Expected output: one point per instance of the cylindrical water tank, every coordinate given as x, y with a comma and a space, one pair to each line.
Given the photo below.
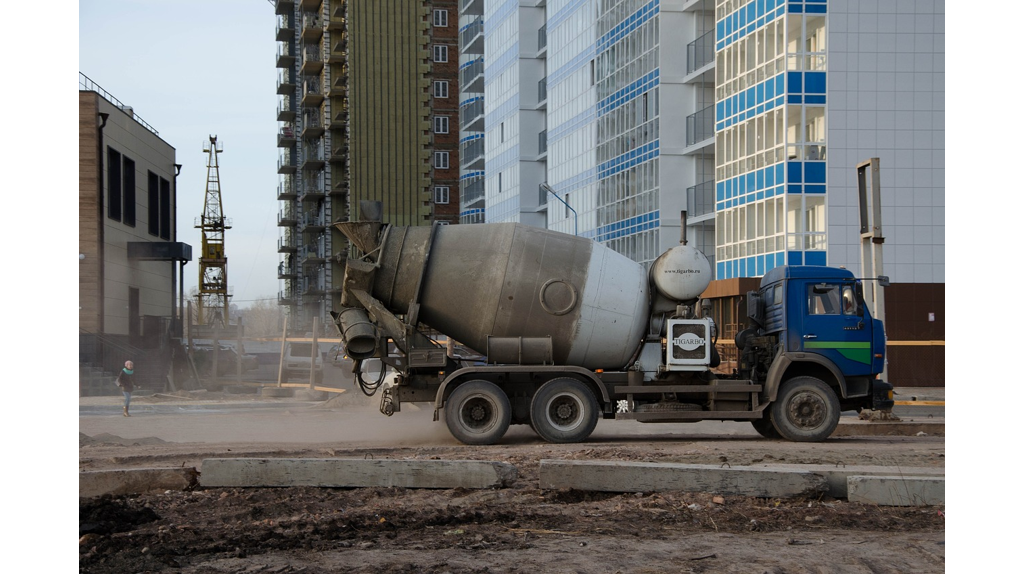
513, 280
682, 273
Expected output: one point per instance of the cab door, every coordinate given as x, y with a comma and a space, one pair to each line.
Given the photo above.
834, 326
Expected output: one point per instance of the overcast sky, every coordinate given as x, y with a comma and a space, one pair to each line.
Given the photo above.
192, 68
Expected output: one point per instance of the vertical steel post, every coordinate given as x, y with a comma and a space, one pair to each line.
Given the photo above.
869, 192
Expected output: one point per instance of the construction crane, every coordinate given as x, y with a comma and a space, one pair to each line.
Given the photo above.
213, 263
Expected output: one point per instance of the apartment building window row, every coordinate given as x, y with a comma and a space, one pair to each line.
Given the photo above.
440, 53
442, 194
441, 124
441, 160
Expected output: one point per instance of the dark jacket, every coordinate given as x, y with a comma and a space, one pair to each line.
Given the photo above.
126, 381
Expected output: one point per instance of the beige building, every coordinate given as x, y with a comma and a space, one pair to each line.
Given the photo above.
129, 260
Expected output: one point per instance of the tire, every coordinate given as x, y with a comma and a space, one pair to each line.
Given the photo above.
564, 411
478, 412
806, 410
765, 428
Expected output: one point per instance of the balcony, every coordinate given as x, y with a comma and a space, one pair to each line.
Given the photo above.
285, 271
471, 36
286, 244
339, 86
700, 199
285, 113
285, 56
339, 187
339, 119
339, 52
312, 61
312, 96
471, 76
285, 82
339, 151
309, 5
472, 192
471, 115
312, 124
287, 217
337, 21
471, 154
312, 28
286, 137
286, 163
313, 161
313, 221
542, 142
542, 93
542, 39
286, 297
471, 7
286, 189
285, 29
282, 7
700, 126
700, 52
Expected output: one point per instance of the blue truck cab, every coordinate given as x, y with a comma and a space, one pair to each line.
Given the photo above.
815, 347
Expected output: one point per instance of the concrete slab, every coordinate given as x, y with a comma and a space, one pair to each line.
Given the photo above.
618, 476
836, 475
138, 481
900, 490
355, 473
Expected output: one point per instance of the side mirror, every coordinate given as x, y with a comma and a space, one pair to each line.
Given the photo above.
883, 280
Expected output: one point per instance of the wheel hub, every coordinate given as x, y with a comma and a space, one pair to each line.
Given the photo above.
564, 412
476, 413
807, 410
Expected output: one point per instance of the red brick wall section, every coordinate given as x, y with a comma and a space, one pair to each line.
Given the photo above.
449, 72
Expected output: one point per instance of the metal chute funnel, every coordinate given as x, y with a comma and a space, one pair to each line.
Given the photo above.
365, 235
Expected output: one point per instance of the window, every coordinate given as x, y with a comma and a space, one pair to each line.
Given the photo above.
128, 183
165, 209
441, 124
441, 89
440, 53
440, 18
154, 204
441, 194
441, 160
823, 299
113, 184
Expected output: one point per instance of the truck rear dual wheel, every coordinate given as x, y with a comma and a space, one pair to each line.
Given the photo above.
564, 411
806, 410
478, 412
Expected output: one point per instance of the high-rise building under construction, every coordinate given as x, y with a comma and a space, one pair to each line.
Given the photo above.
368, 110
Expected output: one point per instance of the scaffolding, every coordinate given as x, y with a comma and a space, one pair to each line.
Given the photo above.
213, 295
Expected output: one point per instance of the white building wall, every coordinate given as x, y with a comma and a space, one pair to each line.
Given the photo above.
886, 99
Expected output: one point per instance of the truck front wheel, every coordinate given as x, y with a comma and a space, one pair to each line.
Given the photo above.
564, 411
478, 412
806, 410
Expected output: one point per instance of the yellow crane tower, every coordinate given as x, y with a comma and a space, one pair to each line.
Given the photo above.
213, 263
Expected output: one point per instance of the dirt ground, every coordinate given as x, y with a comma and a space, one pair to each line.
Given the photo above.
519, 529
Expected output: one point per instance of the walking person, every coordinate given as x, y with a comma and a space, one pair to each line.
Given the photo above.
127, 384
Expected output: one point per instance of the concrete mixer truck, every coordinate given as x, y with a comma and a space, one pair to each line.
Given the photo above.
569, 331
